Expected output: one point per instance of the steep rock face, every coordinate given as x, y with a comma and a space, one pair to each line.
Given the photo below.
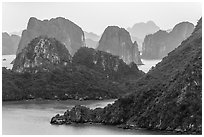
169, 97
139, 42
159, 44
105, 63
41, 54
60, 28
9, 43
117, 41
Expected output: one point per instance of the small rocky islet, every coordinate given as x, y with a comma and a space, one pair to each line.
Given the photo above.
174, 85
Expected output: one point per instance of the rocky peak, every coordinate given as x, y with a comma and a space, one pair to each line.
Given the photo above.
117, 41
60, 28
42, 54
184, 29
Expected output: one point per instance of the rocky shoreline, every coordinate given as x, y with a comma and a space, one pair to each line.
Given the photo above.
84, 115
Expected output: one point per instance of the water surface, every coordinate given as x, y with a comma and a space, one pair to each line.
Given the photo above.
33, 118
6, 61
148, 64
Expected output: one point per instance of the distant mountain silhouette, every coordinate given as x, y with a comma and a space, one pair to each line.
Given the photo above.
60, 28
91, 35
91, 39
140, 30
9, 43
159, 44
117, 41
91, 43
16, 33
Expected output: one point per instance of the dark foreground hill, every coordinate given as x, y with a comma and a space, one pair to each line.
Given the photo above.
169, 97
45, 69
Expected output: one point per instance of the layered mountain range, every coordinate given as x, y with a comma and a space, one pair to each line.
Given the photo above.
168, 97
159, 44
140, 30
117, 41
9, 43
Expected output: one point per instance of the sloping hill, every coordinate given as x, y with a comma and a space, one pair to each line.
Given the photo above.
169, 97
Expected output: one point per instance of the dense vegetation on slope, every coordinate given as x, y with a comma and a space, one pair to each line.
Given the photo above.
42, 54
45, 69
103, 62
169, 97
62, 83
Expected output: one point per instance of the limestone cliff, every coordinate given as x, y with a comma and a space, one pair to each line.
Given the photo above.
117, 41
159, 44
60, 28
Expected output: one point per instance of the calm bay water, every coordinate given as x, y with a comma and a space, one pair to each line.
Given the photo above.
6, 61
33, 117
148, 64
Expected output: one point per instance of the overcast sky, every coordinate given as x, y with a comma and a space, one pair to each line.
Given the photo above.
95, 17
